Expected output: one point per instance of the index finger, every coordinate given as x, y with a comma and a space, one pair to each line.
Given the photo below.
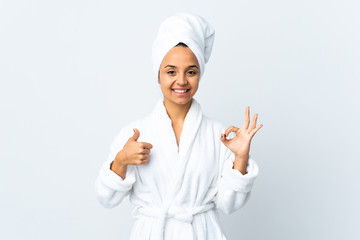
147, 145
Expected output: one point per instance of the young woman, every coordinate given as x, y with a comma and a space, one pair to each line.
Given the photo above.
178, 165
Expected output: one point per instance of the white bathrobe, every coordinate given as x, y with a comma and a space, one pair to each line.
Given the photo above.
178, 193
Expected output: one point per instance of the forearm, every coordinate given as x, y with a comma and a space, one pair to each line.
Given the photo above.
228, 200
111, 188
240, 163
118, 169
234, 186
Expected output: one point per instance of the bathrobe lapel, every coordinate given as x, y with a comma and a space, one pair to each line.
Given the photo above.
189, 131
177, 158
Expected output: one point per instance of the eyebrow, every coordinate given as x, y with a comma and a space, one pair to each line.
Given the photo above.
172, 66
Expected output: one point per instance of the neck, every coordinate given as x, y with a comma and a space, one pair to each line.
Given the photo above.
177, 112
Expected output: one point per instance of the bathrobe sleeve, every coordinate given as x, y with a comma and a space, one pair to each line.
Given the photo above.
111, 188
234, 187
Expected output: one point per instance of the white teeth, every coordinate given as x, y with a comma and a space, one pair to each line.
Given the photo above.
180, 91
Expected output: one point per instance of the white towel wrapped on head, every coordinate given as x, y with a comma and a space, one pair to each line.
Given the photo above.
188, 28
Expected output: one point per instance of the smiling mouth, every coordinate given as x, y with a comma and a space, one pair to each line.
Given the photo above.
180, 91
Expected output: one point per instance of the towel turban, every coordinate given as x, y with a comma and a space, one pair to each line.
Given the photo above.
190, 29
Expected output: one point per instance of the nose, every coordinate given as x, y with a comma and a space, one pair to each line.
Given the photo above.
182, 80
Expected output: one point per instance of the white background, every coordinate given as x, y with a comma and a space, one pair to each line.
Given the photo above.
74, 72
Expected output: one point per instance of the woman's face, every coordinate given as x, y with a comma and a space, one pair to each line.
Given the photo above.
179, 75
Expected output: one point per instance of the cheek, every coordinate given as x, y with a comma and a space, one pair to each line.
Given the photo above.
165, 81
195, 85
164, 84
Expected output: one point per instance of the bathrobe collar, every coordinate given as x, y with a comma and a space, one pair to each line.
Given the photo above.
176, 160
190, 127
189, 131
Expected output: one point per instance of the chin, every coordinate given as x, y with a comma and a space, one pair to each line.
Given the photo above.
182, 101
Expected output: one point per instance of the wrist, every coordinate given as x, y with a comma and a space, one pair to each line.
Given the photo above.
240, 163
241, 158
120, 160
116, 165
119, 169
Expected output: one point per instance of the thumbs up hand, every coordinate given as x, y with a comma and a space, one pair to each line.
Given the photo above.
134, 152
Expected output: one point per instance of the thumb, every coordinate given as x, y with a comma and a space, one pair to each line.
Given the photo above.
136, 134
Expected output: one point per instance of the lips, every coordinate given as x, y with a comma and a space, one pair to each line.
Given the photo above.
180, 90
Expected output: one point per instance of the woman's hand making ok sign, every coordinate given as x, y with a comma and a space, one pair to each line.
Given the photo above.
240, 144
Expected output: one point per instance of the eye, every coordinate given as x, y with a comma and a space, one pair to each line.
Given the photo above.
171, 72
191, 72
